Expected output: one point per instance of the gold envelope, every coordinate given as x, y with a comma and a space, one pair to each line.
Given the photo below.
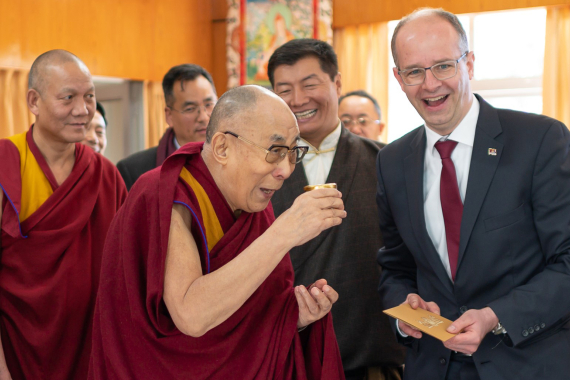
425, 321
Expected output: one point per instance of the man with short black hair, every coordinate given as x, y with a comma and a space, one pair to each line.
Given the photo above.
360, 113
305, 74
190, 97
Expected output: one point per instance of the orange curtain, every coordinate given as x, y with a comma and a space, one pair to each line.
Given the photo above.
155, 123
556, 77
14, 114
363, 62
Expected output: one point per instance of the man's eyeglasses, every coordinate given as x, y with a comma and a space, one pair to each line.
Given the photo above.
361, 122
276, 153
441, 71
194, 109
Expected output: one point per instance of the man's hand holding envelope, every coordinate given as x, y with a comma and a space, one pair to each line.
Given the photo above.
462, 335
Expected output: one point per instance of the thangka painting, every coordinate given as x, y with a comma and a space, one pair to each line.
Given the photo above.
257, 27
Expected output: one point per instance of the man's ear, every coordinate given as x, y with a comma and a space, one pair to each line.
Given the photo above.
338, 84
220, 148
32, 98
381, 126
470, 62
168, 116
398, 77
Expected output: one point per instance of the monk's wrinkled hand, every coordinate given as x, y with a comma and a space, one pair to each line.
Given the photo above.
311, 213
416, 301
315, 302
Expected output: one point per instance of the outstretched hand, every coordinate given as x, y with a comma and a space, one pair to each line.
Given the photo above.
315, 302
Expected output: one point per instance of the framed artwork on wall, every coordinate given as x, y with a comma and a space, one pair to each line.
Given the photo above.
256, 28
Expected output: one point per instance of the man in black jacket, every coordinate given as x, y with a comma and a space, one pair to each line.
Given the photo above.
305, 74
190, 97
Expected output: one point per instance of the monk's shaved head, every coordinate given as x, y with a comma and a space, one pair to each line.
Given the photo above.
38, 75
236, 105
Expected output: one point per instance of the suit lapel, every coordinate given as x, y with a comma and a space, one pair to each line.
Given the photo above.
481, 171
414, 174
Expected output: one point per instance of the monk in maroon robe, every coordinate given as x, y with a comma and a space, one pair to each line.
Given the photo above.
196, 280
57, 199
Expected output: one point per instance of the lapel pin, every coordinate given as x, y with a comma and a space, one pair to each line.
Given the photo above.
492, 152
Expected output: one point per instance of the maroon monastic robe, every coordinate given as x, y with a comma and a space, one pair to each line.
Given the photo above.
165, 146
50, 263
134, 336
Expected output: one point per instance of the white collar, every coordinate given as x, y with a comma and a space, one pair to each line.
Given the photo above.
176, 144
464, 133
329, 143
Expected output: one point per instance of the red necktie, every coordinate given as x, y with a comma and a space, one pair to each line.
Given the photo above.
451, 204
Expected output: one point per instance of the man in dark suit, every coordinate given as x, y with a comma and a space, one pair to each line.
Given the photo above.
475, 212
305, 74
190, 97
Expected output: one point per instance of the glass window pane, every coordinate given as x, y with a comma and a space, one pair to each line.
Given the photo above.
509, 44
402, 116
465, 21
532, 103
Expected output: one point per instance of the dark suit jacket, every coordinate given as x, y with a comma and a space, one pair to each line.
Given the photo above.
135, 165
345, 255
513, 251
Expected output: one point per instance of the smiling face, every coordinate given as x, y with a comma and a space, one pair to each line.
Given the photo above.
311, 95
189, 114
421, 43
65, 103
96, 136
249, 181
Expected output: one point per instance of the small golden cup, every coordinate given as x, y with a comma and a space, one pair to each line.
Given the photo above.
323, 186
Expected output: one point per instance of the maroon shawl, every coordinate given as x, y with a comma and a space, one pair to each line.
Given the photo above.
49, 265
134, 336
165, 146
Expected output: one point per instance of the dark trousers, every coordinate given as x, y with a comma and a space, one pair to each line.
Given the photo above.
461, 367
355, 374
374, 373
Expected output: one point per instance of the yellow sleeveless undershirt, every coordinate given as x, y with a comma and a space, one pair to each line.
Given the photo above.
36, 188
214, 231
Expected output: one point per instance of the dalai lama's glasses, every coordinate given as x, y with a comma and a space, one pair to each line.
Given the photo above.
276, 153
441, 71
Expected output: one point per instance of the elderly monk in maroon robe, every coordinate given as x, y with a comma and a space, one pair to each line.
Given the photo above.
57, 201
197, 282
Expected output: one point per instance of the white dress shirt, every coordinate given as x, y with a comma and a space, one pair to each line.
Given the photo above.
176, 143
317, 163
464, 134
